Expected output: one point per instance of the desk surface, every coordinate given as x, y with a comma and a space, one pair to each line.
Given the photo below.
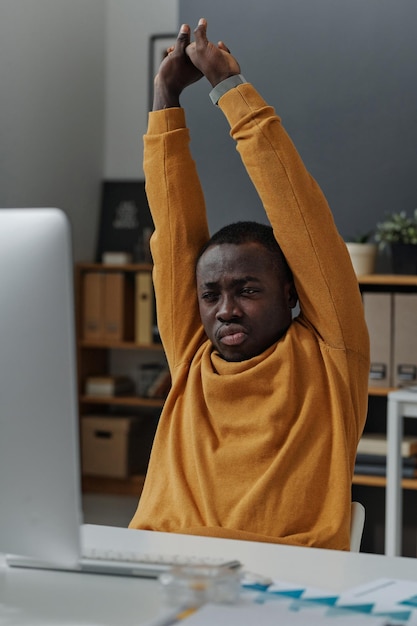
42, 597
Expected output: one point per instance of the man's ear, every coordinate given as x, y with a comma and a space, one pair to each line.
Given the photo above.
292, 295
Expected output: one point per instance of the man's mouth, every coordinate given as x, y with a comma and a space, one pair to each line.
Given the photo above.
232, 335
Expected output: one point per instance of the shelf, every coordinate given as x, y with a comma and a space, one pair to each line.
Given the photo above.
131, 486
123, 401
97, 356
381, 481
129, 267
388, 280
119, 345
381, 391
383, 298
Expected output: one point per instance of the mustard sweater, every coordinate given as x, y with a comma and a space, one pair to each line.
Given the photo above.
262, 449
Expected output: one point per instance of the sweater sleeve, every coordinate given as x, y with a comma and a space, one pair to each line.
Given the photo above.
303, 224
178, 210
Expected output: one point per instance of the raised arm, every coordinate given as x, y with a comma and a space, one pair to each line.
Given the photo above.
177, 205
295, 205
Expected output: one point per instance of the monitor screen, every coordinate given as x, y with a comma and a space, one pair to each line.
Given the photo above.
39, 447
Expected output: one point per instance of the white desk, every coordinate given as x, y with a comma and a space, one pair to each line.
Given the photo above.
401, 404
50, 598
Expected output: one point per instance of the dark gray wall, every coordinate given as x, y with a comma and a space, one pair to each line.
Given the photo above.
343, 78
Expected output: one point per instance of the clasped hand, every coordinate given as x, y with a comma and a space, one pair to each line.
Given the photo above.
186, 62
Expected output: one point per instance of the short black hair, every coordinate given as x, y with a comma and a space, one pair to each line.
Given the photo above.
249, 232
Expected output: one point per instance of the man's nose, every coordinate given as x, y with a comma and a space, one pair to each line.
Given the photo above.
228, 309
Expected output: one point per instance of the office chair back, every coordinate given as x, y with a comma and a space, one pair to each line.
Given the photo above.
357, 521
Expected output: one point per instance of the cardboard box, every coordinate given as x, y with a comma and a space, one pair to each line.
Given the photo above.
108, 386
116, 447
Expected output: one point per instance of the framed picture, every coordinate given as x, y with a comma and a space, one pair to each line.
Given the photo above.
158, 45
125, 220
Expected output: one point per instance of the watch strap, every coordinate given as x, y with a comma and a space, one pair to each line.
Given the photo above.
226, 85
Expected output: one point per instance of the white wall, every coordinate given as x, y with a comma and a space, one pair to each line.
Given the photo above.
73, 101
342, 77
129, 27
51, 114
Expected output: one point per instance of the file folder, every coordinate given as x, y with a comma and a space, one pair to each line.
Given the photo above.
93, 297
144, 308
118, 307
405, 339
378, 315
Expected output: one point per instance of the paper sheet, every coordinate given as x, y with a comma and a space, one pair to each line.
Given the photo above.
382, 602
276, 613
393, 598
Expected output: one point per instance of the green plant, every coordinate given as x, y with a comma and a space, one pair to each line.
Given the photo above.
397, 228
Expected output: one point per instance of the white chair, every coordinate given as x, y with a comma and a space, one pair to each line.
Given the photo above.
357, 521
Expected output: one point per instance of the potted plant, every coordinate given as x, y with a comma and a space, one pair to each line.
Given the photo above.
399, 231
362, 253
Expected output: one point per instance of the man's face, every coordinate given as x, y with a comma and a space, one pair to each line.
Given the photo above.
245, 299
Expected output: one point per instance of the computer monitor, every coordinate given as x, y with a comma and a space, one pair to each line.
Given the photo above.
38, 399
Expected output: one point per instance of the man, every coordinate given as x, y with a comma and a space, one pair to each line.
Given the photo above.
257, 438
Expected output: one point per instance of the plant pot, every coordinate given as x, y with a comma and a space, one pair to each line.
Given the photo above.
363, 257
404, 258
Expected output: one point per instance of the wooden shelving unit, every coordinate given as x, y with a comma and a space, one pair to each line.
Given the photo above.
385, 283
93, 359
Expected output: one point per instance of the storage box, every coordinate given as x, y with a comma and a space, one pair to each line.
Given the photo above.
115, 446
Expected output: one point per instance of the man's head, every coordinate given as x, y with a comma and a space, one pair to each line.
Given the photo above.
245, 290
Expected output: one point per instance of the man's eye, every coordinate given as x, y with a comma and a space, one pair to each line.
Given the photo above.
209, 296
249, 291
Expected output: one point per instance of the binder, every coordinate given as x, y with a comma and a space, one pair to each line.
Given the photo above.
376, 444
378, 309
93, 296
144, 307
405, 339
116, 303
